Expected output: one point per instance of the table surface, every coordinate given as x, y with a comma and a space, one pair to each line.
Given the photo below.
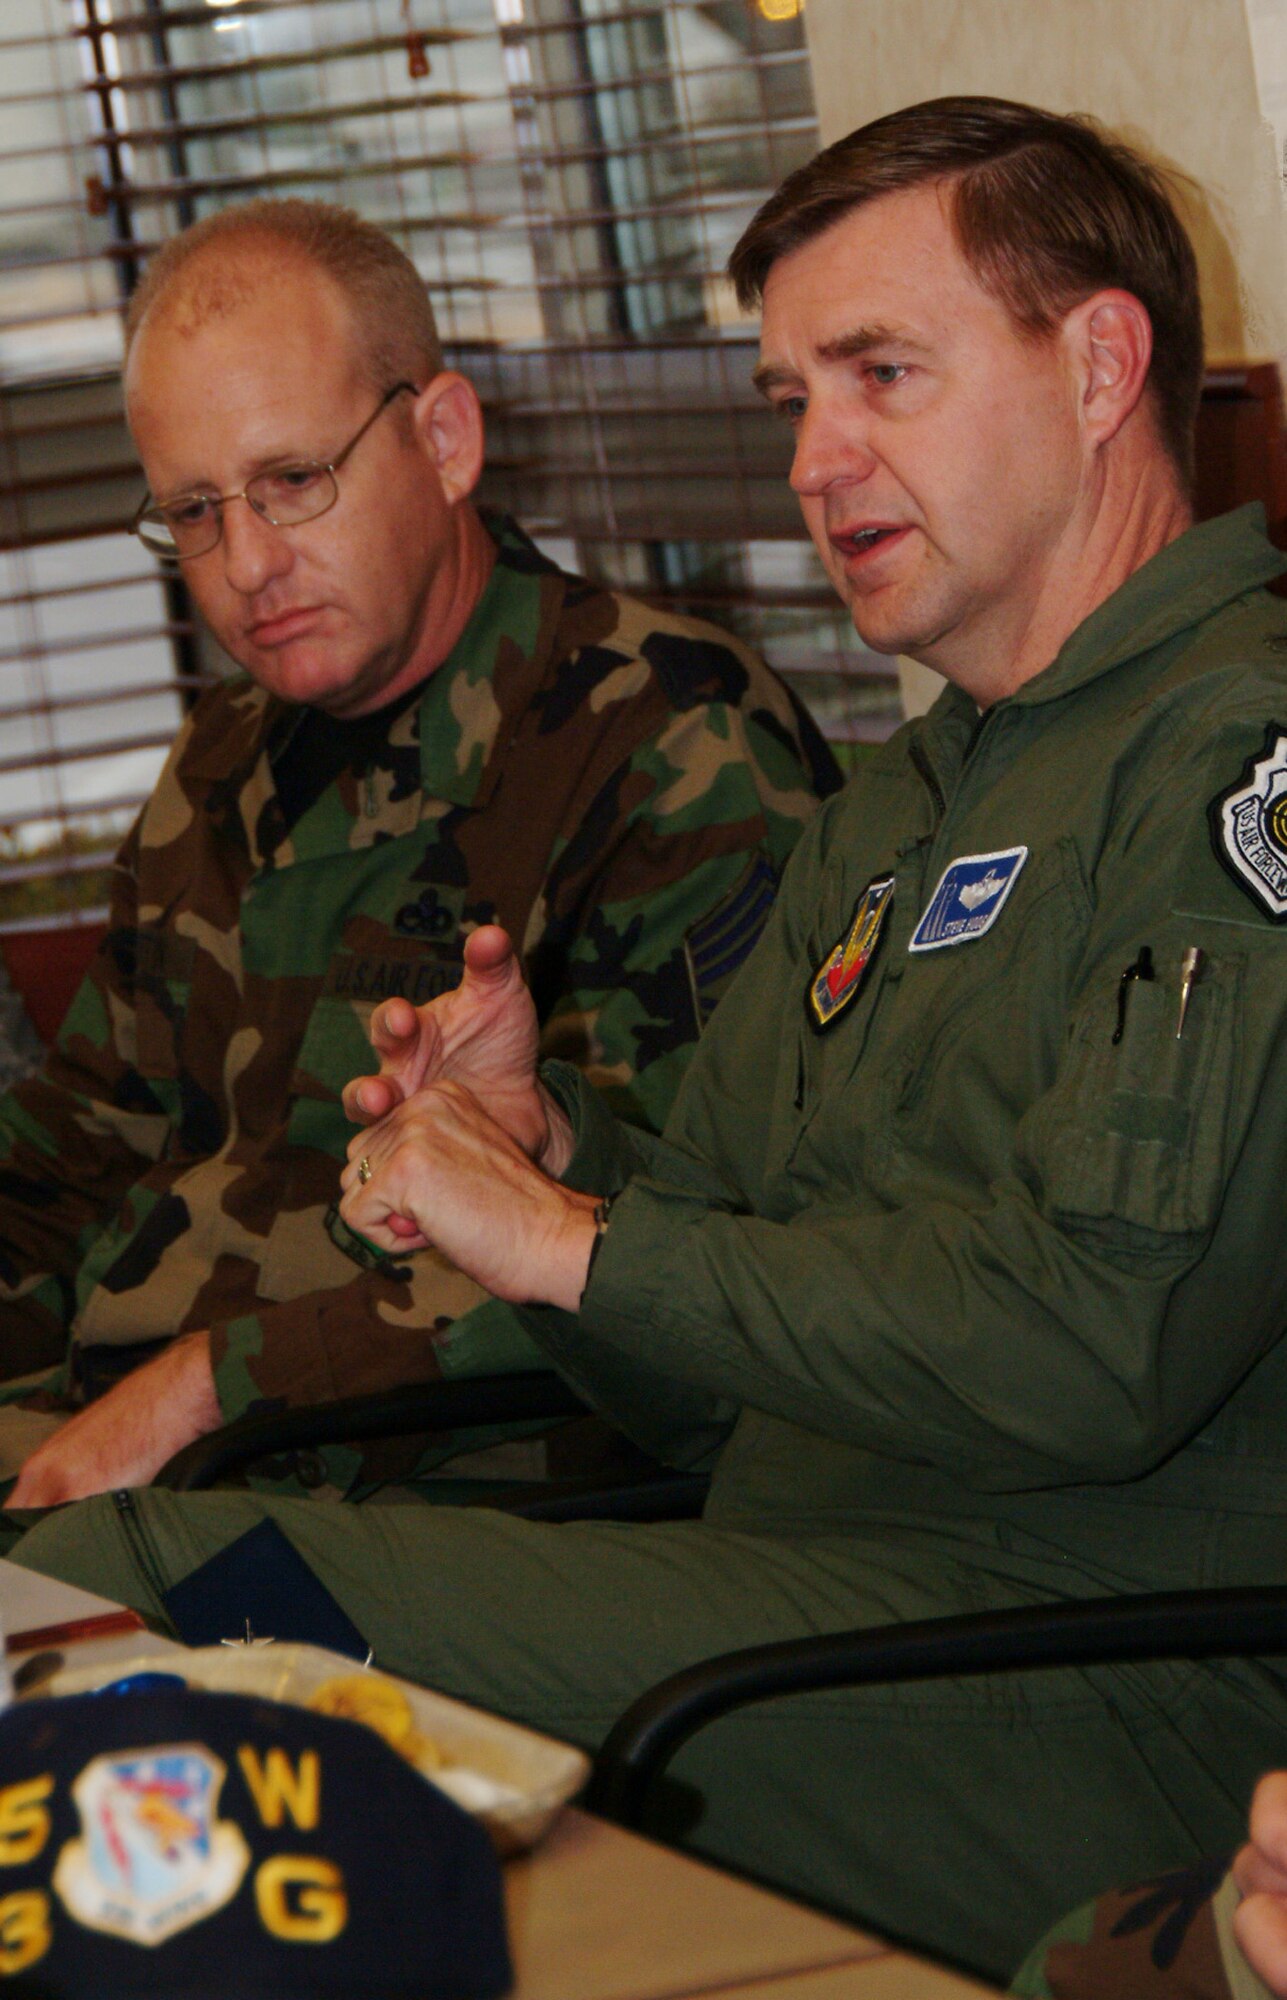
596, 1913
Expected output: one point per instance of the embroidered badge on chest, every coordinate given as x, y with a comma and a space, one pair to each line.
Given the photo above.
1249, 826
838, 979
970, 896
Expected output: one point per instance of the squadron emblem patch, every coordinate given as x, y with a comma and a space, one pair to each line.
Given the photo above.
153, 1857
970, 896
1249, 826
838, 979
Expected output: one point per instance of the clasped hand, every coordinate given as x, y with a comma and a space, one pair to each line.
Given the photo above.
463, 1146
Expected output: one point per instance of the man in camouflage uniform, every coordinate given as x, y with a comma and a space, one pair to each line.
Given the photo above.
1213, 1931
1168, 1938
440, 730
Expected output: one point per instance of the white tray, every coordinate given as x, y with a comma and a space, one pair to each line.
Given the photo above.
511, 1778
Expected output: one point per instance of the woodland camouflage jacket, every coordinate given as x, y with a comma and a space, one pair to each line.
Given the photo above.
617, 786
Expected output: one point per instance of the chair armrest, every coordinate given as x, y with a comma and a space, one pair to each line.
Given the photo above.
533, 1395
1173, 1625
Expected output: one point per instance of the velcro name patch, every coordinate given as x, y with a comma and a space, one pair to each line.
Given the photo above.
971, 894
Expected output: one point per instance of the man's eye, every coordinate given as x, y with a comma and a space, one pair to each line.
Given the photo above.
885, 373
791, 409
188, 513
291, 480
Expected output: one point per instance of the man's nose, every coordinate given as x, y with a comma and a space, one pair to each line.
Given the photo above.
831, 444
253, 550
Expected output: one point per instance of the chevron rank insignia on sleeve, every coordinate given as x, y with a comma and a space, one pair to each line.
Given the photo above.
719, 943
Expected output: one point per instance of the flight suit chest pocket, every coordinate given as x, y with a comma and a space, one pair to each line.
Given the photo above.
163, 972
1136, 1129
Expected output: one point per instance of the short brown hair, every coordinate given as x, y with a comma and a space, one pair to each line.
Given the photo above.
1046, 211
395, 322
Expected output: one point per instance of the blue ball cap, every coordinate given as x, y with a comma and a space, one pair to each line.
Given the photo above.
180, 1843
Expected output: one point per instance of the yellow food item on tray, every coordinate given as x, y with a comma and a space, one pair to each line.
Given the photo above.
369, 1698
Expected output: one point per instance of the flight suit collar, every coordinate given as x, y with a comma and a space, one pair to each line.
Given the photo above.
1208, 566
1193, 576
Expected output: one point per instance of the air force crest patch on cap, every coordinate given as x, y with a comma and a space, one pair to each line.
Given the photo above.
170, 1841
970, 896
153, 1856
1249, 826
839, 977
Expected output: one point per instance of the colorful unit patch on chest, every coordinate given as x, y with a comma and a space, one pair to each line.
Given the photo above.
970, 896
838, 978
1249, 826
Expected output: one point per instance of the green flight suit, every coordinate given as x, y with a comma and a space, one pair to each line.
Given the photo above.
969, 1301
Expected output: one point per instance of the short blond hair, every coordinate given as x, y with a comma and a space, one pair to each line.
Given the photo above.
397, 336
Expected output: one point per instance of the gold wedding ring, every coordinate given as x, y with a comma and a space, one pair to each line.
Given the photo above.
364, 1169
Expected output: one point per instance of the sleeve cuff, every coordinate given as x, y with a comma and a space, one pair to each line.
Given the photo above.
604, 1157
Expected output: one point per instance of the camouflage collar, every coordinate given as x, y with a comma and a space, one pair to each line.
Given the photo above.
474, 699
465, 719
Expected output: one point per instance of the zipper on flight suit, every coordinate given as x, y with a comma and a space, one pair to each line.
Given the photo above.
142, 1547
872, 1006
927, 772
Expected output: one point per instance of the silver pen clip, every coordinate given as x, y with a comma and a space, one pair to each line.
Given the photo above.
1190, 970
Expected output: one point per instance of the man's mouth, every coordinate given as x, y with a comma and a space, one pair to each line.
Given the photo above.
283, 626
856, 542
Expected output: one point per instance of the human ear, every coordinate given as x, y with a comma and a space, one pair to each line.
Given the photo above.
1111, 336
448, 418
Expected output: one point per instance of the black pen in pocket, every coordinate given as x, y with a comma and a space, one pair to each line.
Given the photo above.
1141, 969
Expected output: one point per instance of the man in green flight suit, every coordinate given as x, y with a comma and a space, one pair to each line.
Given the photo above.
961, 1260
437, 729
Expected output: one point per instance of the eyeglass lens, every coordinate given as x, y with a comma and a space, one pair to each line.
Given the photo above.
284, 496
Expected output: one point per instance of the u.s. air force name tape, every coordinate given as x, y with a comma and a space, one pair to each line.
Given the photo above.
184, 1842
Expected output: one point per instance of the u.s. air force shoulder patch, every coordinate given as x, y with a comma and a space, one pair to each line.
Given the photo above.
839, 978
1249, 826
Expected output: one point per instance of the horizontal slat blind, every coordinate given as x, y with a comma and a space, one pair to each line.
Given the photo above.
568, 175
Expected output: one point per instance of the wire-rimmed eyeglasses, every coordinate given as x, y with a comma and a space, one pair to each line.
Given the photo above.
283, 495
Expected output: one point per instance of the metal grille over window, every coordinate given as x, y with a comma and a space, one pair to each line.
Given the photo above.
568, 175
